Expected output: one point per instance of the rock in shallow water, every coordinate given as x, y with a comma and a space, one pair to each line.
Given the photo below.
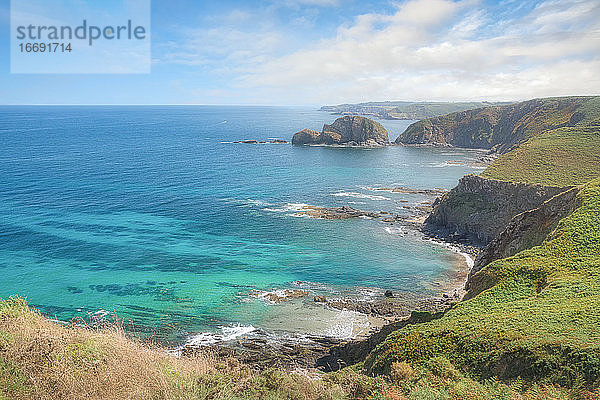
343, 212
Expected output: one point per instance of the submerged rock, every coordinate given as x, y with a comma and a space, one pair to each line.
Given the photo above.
347, 131
278, 296
254, 141
343, 212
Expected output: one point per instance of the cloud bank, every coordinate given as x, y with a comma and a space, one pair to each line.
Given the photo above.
423, 50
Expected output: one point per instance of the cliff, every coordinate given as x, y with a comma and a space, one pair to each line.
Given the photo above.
478, 209
347, 131
526, 230
532, 317
501, 127
531, 310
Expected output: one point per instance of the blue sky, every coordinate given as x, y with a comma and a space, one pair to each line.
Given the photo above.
313, 52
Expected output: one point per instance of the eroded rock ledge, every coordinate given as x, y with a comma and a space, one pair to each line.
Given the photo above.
501, 218
479, 209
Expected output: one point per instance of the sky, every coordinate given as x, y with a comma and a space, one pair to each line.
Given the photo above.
316, 52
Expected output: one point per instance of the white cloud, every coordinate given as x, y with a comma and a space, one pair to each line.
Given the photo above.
442, 50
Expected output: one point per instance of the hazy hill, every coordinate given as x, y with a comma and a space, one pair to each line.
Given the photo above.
404, 109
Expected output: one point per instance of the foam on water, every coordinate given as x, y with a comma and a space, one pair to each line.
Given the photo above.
359, 195
468, 258
395, 230
227, 334
345, 325
288, 207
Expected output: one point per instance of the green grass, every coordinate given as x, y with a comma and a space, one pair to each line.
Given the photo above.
13, 381
536, 316
561, 157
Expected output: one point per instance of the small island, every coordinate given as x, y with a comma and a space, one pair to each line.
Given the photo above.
351, 131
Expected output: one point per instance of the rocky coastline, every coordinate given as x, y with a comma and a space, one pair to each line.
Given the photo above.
262, 350
386, 312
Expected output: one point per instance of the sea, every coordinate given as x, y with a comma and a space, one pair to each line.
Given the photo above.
152, 216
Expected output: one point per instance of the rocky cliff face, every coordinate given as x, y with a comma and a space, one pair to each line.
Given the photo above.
350, 131
499, 127
528, 229
479, 209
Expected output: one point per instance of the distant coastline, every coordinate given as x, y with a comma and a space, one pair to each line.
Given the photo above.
405, 110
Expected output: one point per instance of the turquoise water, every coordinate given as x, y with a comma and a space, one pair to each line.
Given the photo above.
150, 213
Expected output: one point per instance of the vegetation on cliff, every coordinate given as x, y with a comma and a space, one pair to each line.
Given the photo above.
502, 127
532, 317
40, 359
560, 157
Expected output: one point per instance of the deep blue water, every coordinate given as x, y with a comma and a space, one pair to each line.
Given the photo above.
149, 213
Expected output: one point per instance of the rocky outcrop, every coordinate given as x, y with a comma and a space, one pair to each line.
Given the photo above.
498, 127
479, 209
346, 131
278, 296
306, 136
526, 230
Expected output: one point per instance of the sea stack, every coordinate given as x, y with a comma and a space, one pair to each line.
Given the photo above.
352, 130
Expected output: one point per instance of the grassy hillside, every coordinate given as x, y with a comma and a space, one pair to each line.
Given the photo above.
561, 157
40, 359
534, 318
501, 127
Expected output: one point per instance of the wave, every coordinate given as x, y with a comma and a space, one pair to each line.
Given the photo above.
442, 165
395, 230
287, 207
227, 333
247, 202
468, 259
359, 195
344, 325
381, 188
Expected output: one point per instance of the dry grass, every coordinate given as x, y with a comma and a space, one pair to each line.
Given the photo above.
55, 362
401, 371
41, 359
